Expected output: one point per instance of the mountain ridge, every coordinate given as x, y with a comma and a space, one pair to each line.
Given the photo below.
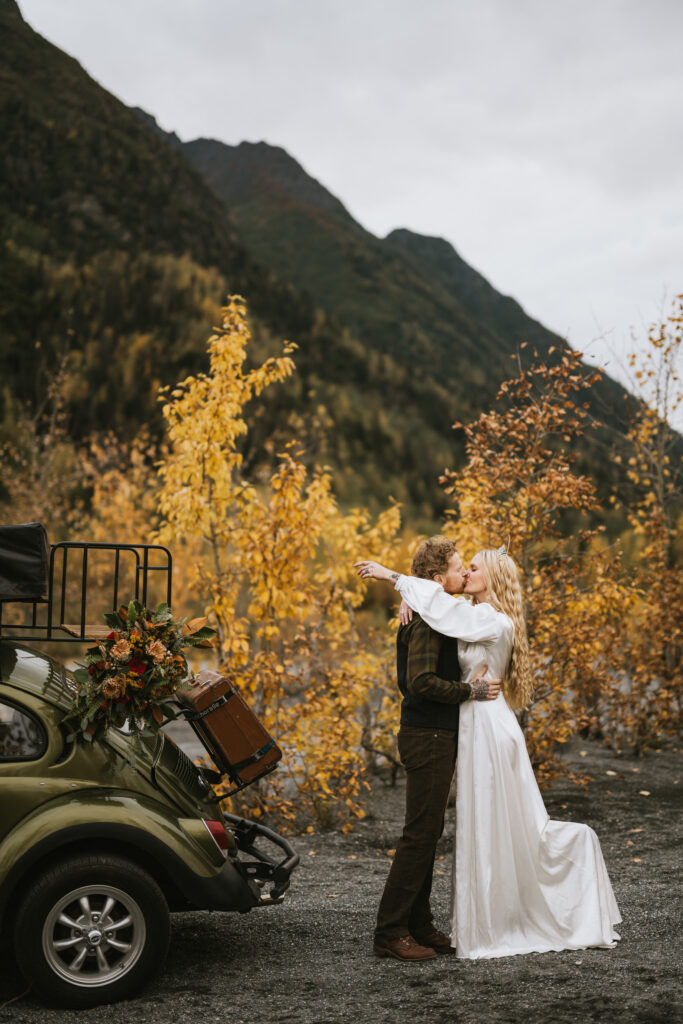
119, 252
409, 295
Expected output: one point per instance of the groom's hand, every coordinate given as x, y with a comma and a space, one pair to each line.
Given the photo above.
484, 689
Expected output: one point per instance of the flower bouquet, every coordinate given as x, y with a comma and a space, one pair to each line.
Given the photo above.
129, 676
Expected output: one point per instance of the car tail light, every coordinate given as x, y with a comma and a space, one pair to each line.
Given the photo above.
218, 834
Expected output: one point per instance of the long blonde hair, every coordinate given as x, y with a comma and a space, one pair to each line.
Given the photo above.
505, 595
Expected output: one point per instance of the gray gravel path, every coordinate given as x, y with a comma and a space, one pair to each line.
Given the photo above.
309, 961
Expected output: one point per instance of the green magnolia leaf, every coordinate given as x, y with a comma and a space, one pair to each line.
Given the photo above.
81, 675
112, 619
87, 737
85, 722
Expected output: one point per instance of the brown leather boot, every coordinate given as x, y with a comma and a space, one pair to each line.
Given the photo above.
405, 948
437, 941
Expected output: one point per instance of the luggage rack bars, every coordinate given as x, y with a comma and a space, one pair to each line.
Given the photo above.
54, 628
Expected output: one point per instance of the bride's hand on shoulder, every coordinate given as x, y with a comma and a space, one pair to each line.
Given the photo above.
375, 571
405, 614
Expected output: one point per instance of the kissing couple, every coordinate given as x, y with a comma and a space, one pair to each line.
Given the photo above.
522, 883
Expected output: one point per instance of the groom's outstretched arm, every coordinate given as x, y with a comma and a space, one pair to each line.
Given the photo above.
424, 646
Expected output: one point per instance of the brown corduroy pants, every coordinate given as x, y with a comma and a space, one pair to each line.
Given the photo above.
428, 756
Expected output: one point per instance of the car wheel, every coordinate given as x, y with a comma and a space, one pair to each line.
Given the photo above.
91, 929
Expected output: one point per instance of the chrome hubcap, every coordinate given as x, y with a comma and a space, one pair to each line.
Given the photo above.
94, 935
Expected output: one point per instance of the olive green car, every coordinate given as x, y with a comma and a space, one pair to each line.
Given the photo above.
98, 842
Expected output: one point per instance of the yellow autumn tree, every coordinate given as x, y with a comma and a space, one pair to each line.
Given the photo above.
276, 575
518, 487
645, 706
42, 476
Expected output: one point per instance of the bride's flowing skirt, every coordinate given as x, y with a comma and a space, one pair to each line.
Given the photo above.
523, 883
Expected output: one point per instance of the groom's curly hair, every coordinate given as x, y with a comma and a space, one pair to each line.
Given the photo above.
432, 557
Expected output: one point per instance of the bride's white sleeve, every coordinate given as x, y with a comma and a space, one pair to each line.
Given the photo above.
452, 616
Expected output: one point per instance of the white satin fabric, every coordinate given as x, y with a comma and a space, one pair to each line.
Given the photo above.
522, 883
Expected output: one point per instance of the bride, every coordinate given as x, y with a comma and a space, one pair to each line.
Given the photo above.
523, 883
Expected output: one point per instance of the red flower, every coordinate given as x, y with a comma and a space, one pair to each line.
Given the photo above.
92, 670
112, 636
99, 665
137, 665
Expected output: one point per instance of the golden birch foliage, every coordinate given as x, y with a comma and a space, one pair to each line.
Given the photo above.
514, 489
272, 559
318, 688
277, 576
646, 705
42, 476
205, 421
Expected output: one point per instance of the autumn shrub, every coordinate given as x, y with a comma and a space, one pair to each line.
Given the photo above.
276, 576
269, 557
643, 706
517, 486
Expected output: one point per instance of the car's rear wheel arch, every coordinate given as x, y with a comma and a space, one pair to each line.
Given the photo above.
118, 846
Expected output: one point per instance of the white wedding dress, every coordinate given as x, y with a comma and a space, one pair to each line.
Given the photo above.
522, 883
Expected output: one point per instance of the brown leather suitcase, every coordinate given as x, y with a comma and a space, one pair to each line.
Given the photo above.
238, 743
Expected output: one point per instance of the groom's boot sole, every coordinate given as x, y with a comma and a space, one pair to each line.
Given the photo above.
381, 951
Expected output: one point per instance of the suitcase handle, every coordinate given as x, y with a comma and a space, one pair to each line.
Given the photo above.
194, 716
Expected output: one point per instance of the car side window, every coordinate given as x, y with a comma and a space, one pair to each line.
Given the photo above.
22, 738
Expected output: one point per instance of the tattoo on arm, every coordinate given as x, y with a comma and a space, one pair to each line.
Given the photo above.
394, 576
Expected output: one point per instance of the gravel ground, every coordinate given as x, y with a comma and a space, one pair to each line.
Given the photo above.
310, 961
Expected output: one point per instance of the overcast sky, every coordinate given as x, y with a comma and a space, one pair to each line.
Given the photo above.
543, 139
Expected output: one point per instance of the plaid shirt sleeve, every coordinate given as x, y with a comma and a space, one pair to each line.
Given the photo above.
424, 645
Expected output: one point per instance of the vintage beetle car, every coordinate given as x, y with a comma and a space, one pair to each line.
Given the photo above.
98, 842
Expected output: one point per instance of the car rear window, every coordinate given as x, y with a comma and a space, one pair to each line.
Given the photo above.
22, 737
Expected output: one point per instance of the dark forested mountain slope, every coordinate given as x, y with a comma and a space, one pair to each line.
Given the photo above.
116, 257
120, 243
408, 295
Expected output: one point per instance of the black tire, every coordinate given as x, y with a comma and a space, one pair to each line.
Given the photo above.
60, 921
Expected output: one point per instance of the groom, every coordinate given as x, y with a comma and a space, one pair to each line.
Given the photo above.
429, 680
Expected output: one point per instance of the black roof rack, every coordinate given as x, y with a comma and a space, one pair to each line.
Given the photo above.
66, 580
